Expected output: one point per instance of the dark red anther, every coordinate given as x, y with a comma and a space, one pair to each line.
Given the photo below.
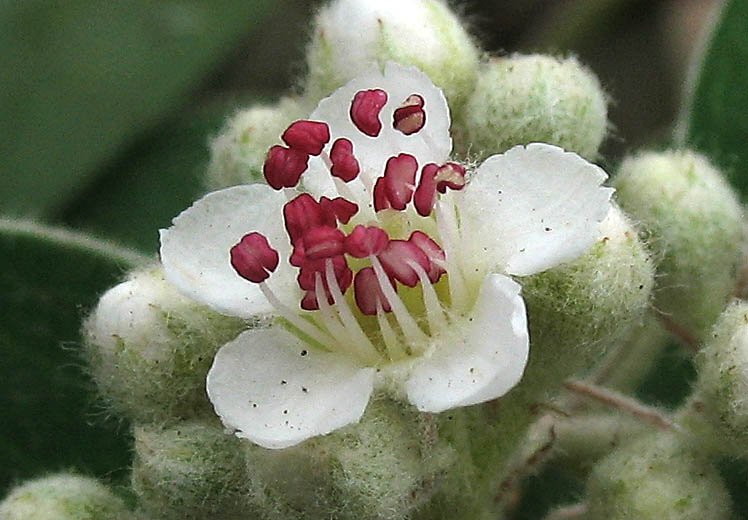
400, 179
452, 176
309, 137
397, 257
309, 301
365, 109
344, 164
337, 210
381, 201
253, 259
323, 242
434, 253
308, 281
302, 214
365, 241
425, 195
284, 166
410, 117
368, 292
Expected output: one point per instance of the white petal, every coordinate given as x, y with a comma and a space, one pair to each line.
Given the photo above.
478, 360
532, 208
277, 391
431, 144
195, 251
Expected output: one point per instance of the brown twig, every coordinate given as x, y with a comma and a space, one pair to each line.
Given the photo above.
685, 336
626, 404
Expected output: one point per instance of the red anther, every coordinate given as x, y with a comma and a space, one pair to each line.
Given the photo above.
434, 253
425, 195
344, 164
343, 273
395, 259
323, 242
337, 210
309, 137
368, 292
452, 176
365, 109
410, 117
400, 179
309, 301
365, 241
253, 259
380, 196
284, 166
302, 214
298, 256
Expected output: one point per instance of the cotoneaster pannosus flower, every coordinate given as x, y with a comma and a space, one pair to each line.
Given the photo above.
378, 263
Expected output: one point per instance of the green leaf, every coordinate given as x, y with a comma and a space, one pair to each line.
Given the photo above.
717, 114
159, 178
80, 79
48, 280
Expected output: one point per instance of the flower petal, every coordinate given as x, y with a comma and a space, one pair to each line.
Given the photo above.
480, 360
432, 143
277, 391
195, 251
531, 208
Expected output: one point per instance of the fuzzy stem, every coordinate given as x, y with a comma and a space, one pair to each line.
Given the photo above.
686, 337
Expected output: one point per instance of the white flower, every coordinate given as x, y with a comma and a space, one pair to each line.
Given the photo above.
433, 317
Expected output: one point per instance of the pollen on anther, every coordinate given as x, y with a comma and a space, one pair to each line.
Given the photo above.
410, 117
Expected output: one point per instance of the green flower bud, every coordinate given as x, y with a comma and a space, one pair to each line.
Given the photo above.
524, 99
387, 466
149, 348
723, 378
350, 35
693, 222
656, 477
193, 470
577, 310
238, 153
63, 497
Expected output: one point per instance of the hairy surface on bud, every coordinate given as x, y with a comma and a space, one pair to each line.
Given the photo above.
238, 153
693, 222
579, 309
193, 470
656, 477
149, 348
524, 99
351, 35
63, 497
723, 378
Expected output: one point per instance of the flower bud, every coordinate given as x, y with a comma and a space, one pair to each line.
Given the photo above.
191, 471
723, 378
63, 497
350, 35
656, 477
149, 348
693, 223
535, 98
238, 153
577, 310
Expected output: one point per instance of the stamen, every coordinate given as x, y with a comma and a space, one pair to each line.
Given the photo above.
294, 319
323, 242
412, 332
392, 343
410, 117
283, 167
340, 209
346, 315
253, 259
425, 195
381, 201
329, 320
400, 179
365, 241
368, 294
302, 214
434, 311
344, 164
446, 221
395, 261
434, 253
365, 109
309, 137
452, 176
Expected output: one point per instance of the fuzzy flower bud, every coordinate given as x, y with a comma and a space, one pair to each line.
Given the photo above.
191, 471
656, 477
723, 378
351, 35
238, 153
580, 308
149, 348
693, 222
63, 497
535, 98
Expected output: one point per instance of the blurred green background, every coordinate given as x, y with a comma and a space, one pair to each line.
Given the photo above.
106, 111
